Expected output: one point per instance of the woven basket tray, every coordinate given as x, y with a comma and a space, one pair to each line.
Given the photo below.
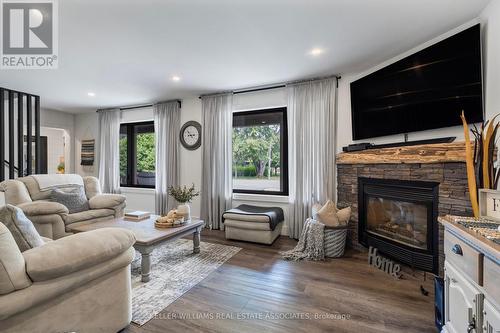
169, 225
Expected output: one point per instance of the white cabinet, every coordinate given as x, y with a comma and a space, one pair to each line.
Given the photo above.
491, 318
461, 302
472, 282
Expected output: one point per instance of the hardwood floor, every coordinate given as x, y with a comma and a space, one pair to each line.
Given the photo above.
256, 291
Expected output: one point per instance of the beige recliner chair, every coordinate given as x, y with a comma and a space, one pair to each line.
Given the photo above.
51, 218
79, 283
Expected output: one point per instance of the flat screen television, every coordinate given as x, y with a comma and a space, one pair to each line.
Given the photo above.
426, 90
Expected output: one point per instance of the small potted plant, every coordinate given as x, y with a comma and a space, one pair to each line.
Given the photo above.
60, 167
183, 195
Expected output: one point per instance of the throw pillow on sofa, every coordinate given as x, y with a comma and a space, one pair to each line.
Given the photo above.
21, 228
75, 200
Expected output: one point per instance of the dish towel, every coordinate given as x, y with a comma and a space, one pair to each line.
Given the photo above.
311, 243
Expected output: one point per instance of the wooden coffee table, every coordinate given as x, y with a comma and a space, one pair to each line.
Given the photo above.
148, 237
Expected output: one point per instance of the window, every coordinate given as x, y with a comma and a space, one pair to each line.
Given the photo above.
260, 152
137, 155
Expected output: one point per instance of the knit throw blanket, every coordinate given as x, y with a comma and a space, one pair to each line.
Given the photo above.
311, 243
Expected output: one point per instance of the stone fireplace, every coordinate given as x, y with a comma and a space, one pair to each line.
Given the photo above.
441, 166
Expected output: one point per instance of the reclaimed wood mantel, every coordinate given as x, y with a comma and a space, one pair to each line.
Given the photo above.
430, 153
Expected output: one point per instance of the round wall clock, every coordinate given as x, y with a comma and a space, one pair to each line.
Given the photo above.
191, 135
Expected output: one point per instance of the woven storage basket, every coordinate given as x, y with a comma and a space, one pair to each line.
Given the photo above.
335, 239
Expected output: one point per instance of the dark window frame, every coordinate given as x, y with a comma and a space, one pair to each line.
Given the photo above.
131, 152
283, 151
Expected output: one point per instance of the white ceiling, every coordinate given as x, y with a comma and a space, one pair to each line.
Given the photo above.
126, 51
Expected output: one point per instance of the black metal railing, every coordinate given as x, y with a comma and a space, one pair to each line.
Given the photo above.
28, 108
7, 163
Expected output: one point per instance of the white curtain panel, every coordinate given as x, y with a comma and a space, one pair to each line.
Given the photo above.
109, 161
311, 133
167, 118
216, 189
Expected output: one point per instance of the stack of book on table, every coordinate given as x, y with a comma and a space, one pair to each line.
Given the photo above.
137, 216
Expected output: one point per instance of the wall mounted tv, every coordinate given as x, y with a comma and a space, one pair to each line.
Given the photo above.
426, 90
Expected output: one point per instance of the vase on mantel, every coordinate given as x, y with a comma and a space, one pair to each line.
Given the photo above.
184, 210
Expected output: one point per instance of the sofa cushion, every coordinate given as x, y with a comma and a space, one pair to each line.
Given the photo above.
44, 194
15, 192
88, 215
106, 201
75, 200
76, 252
60, 180
42, 207
12, 267
92, 186
21, 228
48, 293
33, 189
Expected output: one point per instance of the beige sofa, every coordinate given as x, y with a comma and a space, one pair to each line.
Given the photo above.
79, 283
51, 218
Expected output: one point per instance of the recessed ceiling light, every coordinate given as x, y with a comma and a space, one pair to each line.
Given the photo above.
91, 94
176, 78
316, 51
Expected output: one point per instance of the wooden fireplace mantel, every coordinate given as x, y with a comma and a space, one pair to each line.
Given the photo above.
430, 153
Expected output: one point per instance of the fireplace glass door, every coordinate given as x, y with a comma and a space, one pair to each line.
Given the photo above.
400, 221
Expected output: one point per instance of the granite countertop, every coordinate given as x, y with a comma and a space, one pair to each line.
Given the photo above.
479, 233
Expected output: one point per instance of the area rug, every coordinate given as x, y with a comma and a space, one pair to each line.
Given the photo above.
174, 270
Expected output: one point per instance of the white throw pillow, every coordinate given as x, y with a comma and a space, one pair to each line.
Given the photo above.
21, 228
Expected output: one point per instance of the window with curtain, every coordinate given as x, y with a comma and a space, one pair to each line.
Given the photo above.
137, 155
260, 152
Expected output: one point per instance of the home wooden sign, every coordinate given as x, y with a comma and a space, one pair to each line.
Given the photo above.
489, 204
382, 263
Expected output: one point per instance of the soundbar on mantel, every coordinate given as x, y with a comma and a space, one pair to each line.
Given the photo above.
366, 145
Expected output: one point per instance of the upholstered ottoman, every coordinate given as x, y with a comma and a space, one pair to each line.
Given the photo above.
253, 224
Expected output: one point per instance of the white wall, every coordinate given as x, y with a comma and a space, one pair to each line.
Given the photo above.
190, 160
490, 18
55, 147
61, 120
86, 128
